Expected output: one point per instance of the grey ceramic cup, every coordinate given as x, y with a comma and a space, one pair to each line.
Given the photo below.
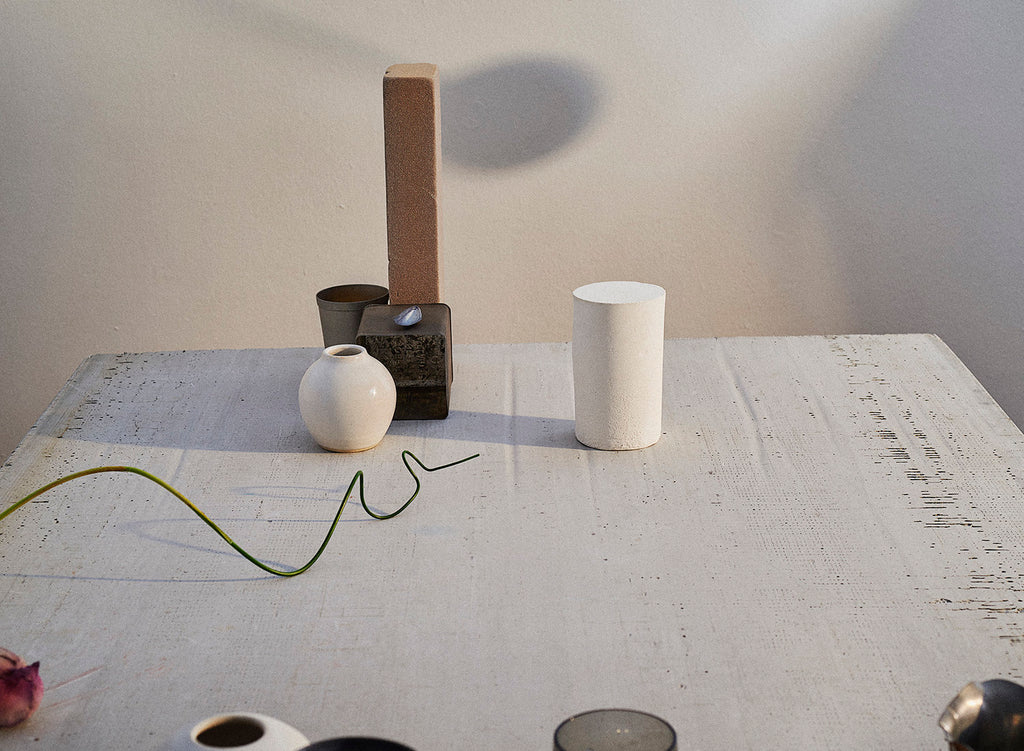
341, 309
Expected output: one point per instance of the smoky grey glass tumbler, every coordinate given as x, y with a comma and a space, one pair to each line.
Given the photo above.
615, 730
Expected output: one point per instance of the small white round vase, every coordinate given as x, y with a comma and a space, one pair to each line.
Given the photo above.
347, 399
242, 731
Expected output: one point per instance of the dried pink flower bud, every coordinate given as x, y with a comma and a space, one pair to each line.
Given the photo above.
21, 689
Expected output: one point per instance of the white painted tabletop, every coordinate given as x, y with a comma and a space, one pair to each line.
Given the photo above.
824, 546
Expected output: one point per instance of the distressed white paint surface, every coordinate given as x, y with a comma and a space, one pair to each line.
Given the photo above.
822, 548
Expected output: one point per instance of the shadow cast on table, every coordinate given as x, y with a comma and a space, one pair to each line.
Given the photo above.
135, 579
303, 493
493, 427
280, 432
143, 530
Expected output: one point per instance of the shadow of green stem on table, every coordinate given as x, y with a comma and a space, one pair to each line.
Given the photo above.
357, 478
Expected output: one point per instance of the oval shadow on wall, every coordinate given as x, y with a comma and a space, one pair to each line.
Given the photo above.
515, 112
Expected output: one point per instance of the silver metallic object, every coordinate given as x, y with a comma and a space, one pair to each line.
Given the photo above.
410, 316
985, 717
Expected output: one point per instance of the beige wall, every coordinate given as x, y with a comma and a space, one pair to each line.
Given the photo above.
180, 174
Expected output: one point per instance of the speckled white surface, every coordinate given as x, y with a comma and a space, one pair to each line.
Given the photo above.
819, 552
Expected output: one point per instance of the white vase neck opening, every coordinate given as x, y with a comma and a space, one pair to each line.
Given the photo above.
345, 350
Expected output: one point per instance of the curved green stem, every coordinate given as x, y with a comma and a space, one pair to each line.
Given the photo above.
358, 477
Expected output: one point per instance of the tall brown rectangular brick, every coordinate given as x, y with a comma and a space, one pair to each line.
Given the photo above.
412, 158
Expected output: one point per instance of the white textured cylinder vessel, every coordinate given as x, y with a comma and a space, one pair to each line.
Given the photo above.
618, 344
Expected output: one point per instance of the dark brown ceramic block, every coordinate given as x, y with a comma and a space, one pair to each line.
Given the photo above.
418, 357
412, 159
